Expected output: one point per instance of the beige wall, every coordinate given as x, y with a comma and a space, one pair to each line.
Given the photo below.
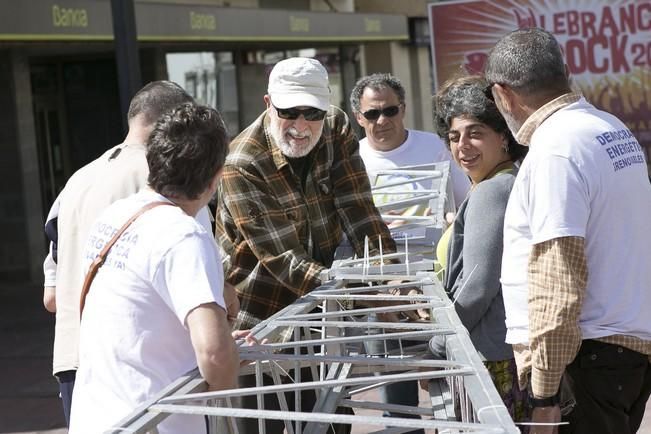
252, 83
314, 5
338, 5
411, 65
226, 3
425, 87
410, 8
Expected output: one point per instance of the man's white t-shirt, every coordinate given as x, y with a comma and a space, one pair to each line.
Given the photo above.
134, 340
420, 148
584, 176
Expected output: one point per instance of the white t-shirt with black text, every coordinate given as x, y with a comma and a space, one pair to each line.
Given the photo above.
134, 340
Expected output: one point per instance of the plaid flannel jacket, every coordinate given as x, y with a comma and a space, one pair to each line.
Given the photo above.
271, 228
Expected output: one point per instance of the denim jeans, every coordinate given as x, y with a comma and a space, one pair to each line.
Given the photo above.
66, 381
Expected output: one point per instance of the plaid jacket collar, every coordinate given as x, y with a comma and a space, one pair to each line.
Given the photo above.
539, 116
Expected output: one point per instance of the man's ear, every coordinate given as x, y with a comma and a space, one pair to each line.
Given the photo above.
505, 96
267, 100
359, 118
567, 72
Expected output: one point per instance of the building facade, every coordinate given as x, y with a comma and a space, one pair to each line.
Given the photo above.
59, 85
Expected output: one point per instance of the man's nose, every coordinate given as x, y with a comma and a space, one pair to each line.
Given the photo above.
300, 123
382, 119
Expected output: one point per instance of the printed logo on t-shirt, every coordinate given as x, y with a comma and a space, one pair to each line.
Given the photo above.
622, 148
118, 254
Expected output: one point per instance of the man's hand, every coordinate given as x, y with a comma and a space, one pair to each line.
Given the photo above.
49, 298
396, 224
412, 315
232, 302
550, 415
244, 337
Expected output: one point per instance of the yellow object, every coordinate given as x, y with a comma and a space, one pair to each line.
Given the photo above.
442, 251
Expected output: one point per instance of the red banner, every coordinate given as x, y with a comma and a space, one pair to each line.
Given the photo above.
607, 46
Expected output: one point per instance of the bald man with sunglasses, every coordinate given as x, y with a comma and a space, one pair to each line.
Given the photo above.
378, 103
292, 184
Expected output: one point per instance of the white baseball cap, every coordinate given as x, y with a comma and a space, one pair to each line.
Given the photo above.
299, 81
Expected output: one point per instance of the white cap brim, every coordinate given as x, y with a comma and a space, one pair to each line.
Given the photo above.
299, 99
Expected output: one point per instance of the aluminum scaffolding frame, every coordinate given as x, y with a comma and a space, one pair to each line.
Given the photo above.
328, 329
394, 192
398, 183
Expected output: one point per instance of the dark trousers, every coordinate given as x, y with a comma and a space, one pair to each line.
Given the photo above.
308, 399
66, 381
611, 385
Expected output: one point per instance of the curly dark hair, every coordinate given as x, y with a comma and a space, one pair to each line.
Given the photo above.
377, 82
470, 96
186, 149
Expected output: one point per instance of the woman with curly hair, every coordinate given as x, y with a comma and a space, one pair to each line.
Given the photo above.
471, 250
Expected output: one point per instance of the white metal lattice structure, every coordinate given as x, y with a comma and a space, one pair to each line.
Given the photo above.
399, 197
330, 326
413, 213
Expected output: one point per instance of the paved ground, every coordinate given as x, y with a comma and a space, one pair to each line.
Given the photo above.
28, 397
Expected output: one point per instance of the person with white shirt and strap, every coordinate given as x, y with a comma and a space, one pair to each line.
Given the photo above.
156, 309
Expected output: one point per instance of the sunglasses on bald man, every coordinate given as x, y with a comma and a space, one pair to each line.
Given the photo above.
310, 114
387, 112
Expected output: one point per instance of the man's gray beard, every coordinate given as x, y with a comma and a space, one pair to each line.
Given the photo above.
513, 125
287, 149
510, 120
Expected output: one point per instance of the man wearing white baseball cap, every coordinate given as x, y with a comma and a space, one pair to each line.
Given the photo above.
292, 184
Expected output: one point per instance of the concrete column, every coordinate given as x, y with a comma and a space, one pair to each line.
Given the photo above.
401, 67
252, 86
376, 57
153, 64
31, 247
348, 55
411, 66
421, 87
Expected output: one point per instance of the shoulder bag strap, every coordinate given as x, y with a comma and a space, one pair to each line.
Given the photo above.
99, 260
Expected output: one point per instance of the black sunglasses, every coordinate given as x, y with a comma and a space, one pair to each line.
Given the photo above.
310, 114
387, 112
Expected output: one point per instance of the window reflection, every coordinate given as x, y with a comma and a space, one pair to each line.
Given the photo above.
210, 78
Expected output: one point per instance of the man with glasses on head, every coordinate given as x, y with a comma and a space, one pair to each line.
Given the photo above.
378, 103
293, 183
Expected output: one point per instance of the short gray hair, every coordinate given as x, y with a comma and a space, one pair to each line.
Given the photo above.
528, 60
376, 82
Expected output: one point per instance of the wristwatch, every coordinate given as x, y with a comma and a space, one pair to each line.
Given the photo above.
550, 401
